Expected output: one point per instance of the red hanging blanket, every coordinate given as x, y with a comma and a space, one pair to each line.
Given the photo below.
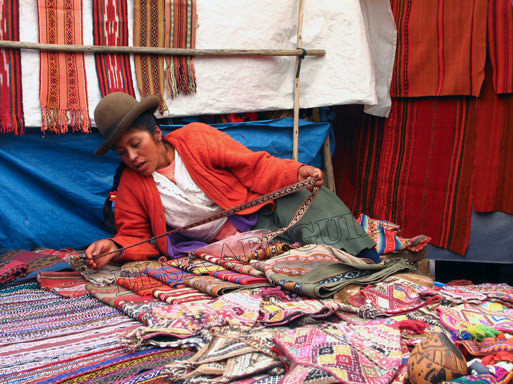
11, 108
63, 91
110, 27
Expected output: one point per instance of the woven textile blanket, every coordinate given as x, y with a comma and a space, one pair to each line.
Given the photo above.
110, 27
12, 270
319, 272
439, 52
43, 335
63, 89
11, 97
386, 236
350, 354
461, 316
413, 175
174, 277
67, 284
127, 301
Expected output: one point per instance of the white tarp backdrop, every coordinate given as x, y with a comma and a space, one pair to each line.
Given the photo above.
345, 75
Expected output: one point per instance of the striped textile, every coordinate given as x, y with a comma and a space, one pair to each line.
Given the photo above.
149, 32
500, 44
63, 92
180, 32
110, 27
415, 169
493, 185
11, 107
440, 51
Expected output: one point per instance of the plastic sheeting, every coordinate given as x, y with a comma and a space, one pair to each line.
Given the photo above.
54, 187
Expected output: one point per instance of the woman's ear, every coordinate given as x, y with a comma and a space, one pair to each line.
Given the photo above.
157, 134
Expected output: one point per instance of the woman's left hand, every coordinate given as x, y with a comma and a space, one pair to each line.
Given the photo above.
307, 171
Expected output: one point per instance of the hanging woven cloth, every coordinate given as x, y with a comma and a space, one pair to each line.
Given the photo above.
63, 91
110, 27
180, 32
149, 32
11, 108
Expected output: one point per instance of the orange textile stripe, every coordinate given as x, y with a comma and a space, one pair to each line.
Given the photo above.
63, 91
440, 51
149, 32
180, 26
493, 184
500, 44
415, 168
11, 107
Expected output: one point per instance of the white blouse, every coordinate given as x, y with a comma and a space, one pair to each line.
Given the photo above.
185, 203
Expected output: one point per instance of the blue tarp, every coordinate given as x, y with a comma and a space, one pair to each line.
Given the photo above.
53, 187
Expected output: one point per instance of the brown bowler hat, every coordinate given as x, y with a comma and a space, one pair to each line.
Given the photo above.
116, 112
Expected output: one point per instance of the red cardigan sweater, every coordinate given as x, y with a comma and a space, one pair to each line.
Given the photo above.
228, 172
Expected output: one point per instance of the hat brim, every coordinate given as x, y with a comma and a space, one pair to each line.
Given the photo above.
148, 103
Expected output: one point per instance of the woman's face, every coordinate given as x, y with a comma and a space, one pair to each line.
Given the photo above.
139, 150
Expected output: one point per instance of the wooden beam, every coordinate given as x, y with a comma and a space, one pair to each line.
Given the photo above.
295, 131
158, 50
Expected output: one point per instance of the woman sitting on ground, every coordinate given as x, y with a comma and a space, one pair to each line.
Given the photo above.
196, 171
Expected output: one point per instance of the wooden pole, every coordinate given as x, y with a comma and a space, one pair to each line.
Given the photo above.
295, 131
158, 50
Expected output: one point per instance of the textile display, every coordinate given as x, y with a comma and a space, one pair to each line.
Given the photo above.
320, 271
232, 353
485, 347
180, 20
194, 265
12, 270
174, 277
37, 324
41, 260
500, 45
180, 295
11, 92
350, 354
492, 187
439, 52
149, 32
275, 312
63, 89
416, 169
386, 236
64, 283
110, 27
242, 84
142, 285
459, 317
125, 300
212, 285
238, 278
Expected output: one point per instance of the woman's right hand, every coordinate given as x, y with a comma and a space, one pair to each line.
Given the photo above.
97, 248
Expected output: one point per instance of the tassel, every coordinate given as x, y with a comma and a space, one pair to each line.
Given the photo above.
476, 332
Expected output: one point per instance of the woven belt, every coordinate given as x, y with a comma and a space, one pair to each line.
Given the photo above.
259, 200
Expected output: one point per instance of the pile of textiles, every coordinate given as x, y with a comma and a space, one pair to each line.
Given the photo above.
226, 313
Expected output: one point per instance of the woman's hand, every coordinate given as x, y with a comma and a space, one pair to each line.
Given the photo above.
97, 248
306, 171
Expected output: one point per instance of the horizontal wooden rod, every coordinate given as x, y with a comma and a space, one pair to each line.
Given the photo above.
159, 50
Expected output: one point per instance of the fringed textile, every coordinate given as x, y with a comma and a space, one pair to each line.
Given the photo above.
180, 32
440, 52
149, 32
110, 27
415, 169
63, 91
500, 44
11, 107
